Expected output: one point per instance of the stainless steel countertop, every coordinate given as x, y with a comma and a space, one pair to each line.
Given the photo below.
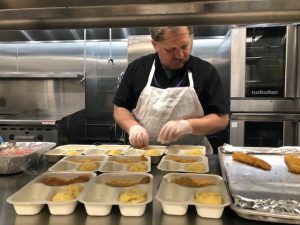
154, 215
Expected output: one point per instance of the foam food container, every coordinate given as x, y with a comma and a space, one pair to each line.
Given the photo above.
195, 164
80, 163
192, 150
127, 164
59, 152
176, 198
154, 151
32, 198
99, 197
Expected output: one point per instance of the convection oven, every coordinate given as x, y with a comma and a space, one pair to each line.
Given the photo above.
264, 61
264, 129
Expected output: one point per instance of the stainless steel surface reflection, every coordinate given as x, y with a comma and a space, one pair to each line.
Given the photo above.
32, 220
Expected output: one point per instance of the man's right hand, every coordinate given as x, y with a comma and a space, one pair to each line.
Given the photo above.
138, 136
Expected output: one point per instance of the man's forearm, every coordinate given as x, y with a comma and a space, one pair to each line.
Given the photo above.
124, 118
209, 124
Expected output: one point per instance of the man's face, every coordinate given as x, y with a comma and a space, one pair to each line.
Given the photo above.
175, 49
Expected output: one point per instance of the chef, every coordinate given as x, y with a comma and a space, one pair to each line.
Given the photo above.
171, 97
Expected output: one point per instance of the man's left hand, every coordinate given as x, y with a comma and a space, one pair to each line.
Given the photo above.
173, 129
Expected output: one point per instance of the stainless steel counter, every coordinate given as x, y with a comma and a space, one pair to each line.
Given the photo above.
153, 215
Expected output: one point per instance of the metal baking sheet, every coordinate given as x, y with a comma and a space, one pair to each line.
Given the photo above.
252, 183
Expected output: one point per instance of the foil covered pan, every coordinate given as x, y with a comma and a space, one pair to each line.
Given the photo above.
257, 194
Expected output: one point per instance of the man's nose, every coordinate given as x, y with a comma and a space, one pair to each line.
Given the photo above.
179, 53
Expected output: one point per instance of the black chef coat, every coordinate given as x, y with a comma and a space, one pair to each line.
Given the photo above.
207, 83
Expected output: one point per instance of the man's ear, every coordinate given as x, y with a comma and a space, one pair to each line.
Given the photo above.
155, 45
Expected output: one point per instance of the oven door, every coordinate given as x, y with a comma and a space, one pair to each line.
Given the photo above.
264, 130
264, 61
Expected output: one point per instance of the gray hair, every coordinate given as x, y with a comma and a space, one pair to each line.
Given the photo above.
157, 33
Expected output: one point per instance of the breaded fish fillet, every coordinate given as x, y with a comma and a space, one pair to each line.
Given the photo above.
192, 182
293, 163
251, 160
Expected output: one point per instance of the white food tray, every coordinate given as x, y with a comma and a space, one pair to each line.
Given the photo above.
166, 164
175, 198
116, 151
80, 163
99, 197
193, 150
122, 164
59, 152
32, 198
112, 147
154, 151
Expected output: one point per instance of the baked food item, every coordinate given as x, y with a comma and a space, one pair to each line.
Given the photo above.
68, 193
88, 166
179, 159
293, 163
133, 195
128, 182
115, 152
72, 152
63, 196
55, 181
137, 167
152, 152
211, 198
195, 167
193, 152
192, 182
251, 160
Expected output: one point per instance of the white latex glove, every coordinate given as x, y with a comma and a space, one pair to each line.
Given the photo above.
173, 129
138, 136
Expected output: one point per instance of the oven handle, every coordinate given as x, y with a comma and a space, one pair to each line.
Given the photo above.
25, 138
290, 132
291, 89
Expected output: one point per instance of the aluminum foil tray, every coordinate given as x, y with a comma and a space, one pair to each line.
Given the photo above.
18, 163
272, 196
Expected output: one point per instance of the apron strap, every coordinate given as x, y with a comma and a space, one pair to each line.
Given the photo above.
190, 79
152, 71
151, 74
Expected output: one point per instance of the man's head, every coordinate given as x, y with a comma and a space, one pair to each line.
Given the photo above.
173, 45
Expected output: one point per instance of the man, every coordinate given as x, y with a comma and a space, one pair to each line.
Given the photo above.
170, 96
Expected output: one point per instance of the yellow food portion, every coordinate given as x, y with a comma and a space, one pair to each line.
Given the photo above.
213, 198
195, 167
88, 166
133, 195
115, 152
193, 152
68, 193
152, 152
137, 167
73, 153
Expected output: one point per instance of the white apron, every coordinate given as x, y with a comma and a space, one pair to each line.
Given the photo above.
156, 106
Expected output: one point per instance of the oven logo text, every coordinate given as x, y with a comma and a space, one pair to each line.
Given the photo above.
264, 92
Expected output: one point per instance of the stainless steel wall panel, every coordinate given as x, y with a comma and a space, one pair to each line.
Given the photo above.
102, 78
51, 57
238, 62
139, 45
50, 96
8, 58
